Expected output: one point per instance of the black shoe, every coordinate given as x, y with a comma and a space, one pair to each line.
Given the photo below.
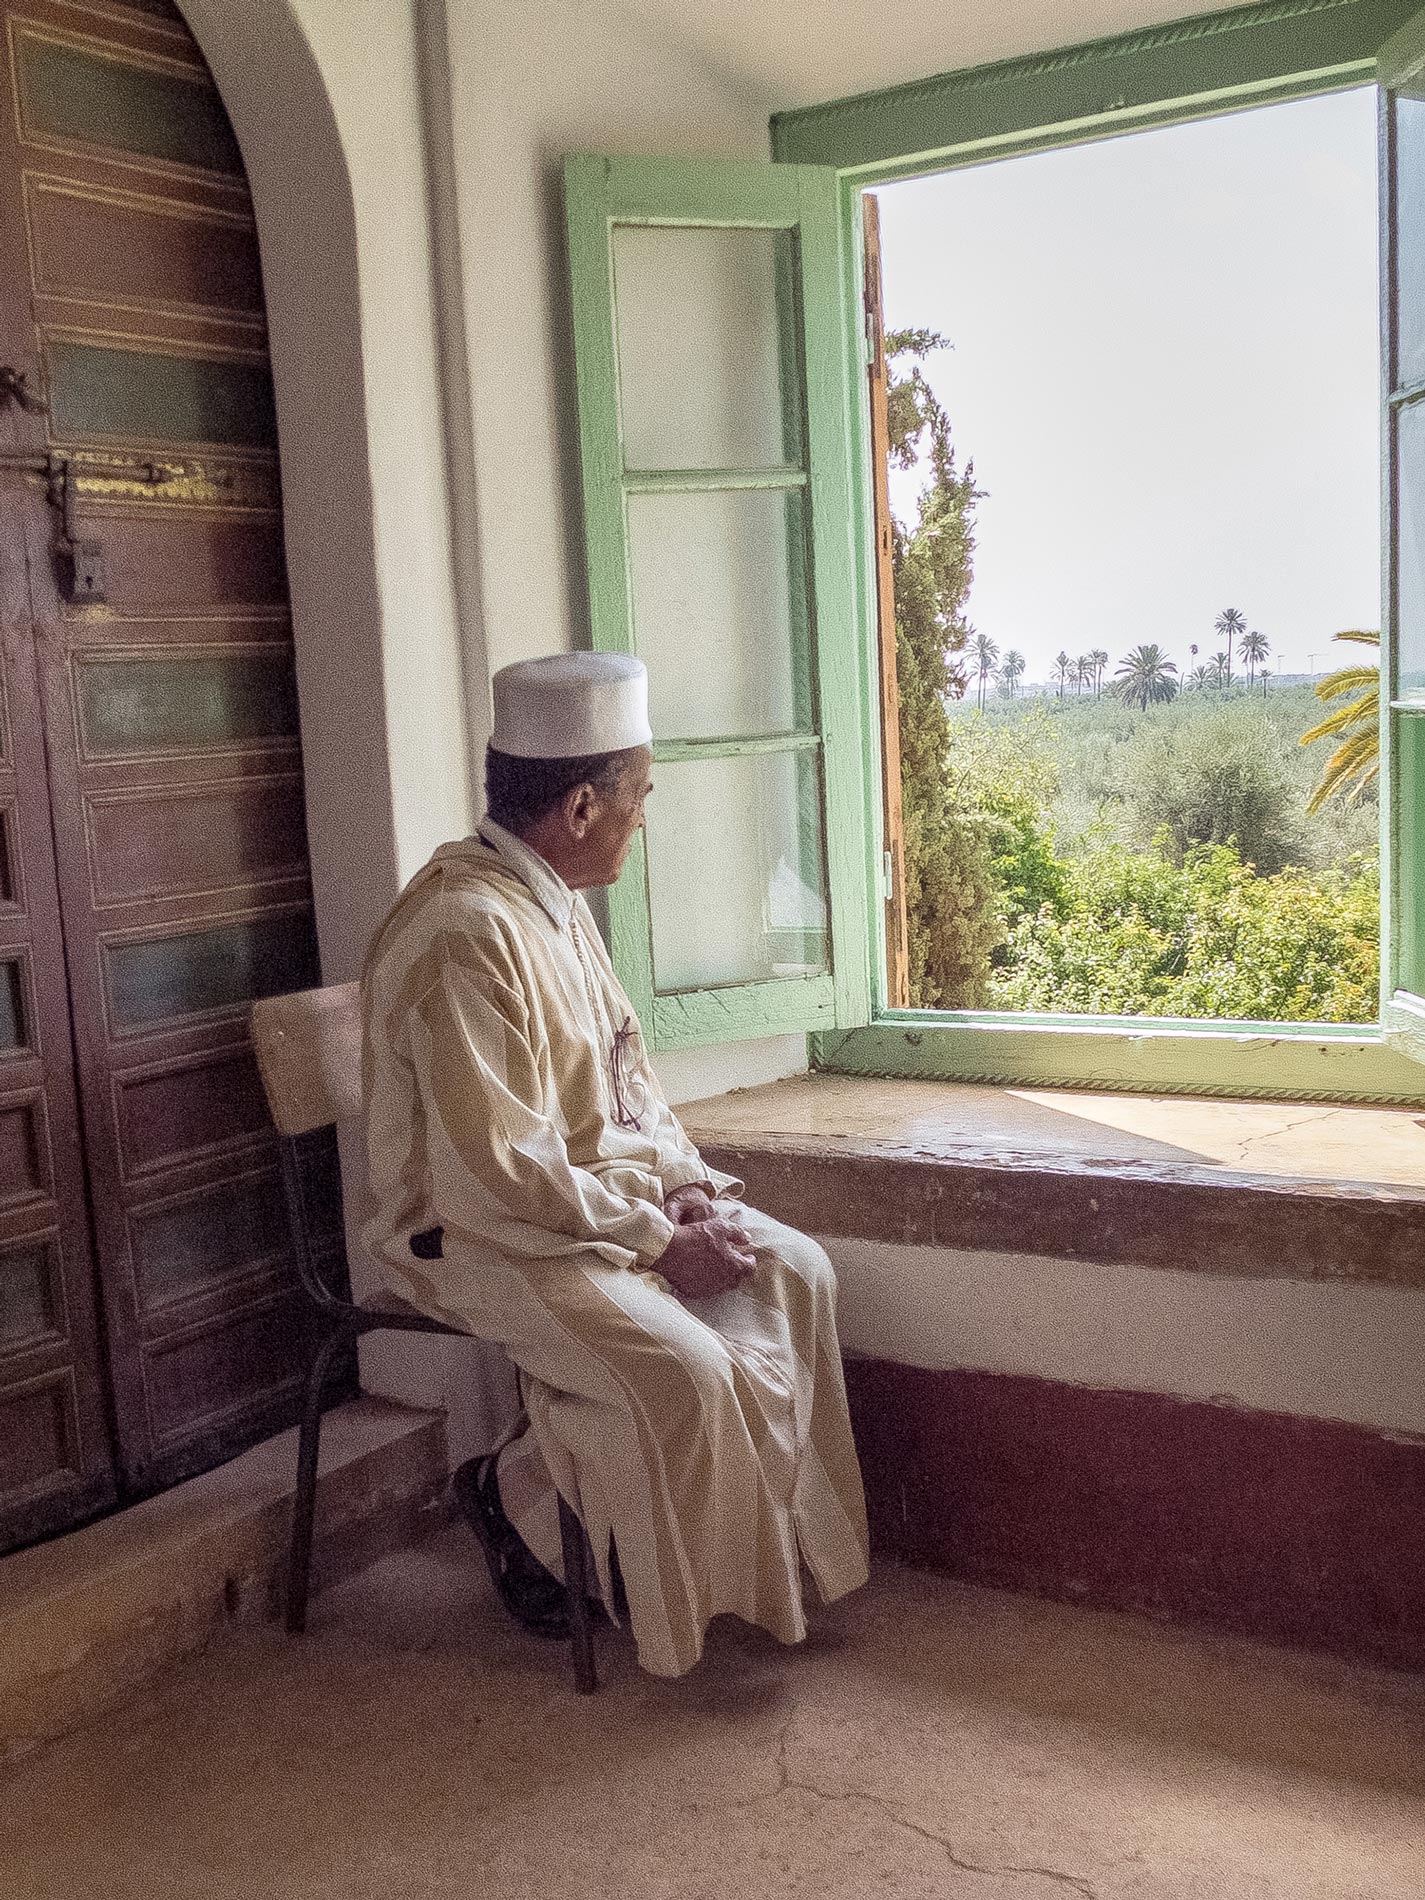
534, 1596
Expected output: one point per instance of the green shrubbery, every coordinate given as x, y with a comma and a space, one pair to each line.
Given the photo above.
1136, 934
1213, 778
1163, 865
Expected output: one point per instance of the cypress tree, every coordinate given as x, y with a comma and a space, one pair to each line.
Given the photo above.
953, 920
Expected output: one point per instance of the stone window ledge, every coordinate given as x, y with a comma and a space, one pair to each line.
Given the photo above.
1302, 1190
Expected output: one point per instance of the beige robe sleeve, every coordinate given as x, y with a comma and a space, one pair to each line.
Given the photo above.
500, 1169
679, 1163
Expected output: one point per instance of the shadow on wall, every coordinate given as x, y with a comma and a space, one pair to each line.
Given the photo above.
301, 193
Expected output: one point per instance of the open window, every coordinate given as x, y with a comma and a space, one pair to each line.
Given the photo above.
732, 410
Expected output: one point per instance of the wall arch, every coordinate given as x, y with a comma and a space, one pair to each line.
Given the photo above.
329, 123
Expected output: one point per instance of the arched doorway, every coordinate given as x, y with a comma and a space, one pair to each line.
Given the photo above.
153, 857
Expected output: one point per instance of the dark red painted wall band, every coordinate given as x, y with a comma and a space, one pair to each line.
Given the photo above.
1149, 1217
1295, 1530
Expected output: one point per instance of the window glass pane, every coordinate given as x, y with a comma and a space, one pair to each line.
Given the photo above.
72, 93
704, 380
25, 1311
215, 968
128, 706
719, 611
240, 1224
1410, 568
12, 1007
735, 877
146, 396
1410, 236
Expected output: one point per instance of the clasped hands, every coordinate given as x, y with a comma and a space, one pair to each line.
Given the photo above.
708, 1253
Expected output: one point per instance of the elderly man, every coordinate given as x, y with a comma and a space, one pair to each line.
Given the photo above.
678, 1350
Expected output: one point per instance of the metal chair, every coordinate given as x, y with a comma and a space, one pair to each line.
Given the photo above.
308, 1049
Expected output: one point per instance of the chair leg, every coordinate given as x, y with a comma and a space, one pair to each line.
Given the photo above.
576, 1584
304, 1501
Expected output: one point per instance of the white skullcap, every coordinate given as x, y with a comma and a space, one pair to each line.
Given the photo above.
570, 705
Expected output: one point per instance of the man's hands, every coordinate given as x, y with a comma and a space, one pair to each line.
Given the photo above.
708, 1253
689, 1203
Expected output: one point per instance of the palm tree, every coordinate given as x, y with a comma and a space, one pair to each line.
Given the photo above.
1100, 661
1253, 648
1145, 678
1062, 663
1222, 669
1011, 670
1356, 760
1229, 623
1264, 676
1200, 677
985, 654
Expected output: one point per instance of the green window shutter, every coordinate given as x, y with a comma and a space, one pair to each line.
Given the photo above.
715, 424
1402, 77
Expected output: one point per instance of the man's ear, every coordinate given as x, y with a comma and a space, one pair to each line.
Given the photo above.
581, 808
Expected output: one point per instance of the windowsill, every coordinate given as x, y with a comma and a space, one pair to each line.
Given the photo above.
1299, 1190
1235, 1061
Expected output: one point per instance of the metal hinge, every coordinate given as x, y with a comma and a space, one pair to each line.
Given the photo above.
888, 876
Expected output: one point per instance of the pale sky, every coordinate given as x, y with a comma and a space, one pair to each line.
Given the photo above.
1165, 368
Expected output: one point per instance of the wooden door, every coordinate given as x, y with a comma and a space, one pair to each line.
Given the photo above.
55, 1456
168, 700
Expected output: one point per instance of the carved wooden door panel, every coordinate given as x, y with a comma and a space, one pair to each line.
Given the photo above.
163, 644
55, 1463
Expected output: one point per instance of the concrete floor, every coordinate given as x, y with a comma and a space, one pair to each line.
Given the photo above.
930, 1740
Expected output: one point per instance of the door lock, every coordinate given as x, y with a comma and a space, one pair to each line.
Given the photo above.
80, 561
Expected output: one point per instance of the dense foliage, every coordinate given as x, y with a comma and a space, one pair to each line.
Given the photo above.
1133, 933
1160, 863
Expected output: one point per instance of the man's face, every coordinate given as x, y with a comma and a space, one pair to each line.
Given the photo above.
615, 819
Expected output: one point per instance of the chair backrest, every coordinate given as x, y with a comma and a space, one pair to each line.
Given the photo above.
309, 1056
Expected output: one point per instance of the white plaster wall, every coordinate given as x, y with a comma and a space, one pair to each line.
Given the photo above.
323, 96
368, 54
531, 80
689, 1075
1317, 1349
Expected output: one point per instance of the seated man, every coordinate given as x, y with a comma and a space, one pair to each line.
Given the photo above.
682, 1378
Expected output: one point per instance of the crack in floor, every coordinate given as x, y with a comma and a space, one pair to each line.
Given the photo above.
787, 1782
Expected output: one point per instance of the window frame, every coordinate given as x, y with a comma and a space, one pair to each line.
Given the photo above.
1182, 71
602, 193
